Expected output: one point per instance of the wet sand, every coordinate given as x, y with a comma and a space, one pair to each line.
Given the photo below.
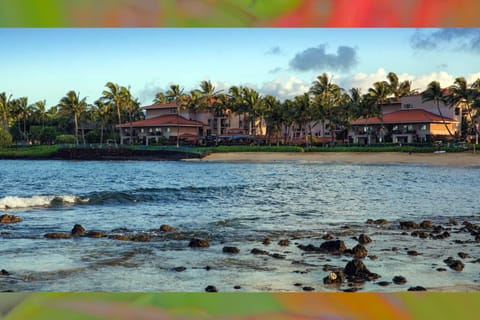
440, 159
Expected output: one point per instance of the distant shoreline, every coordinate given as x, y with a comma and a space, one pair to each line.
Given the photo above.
432, 159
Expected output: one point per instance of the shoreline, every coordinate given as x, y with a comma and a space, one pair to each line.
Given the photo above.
360, 158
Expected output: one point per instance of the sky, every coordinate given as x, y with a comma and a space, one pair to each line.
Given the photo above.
44, 64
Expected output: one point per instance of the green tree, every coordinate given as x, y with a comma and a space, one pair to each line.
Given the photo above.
71, 103
5, 138
114, 95
435, 93
176, 95
102, 110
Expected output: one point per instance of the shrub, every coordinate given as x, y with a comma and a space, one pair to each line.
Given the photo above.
5, 138
65, 138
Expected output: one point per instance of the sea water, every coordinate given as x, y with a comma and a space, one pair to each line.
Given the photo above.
230, 204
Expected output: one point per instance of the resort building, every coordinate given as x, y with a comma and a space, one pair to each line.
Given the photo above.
409, 120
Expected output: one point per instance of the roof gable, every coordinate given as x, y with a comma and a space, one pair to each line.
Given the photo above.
405, 116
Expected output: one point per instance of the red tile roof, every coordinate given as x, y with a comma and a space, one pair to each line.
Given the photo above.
160, 106
163, 121
405, 116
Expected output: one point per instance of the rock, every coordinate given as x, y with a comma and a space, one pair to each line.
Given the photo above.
423, 235
364, 239
140, 238
477, 238
334, 278
327, 237
441, 269
167, 228
309, 248
199, 243
237, 287
463, 255
298, 284
359, 251
211, 289
5, 218
399, 280
373, 257
284, 242
378, 221
453, 222
426, 224
352, 289
208, 268
278, 256
57, 235
118, 237
179, 269
414, 233
356, 270
78, 230
266, 241
308, 289
438, 229
334, 246
406, 225
4, 272
95, 234
456, 265
417, 288
258, 251
232, 250
413, 253
383, 283
394, 249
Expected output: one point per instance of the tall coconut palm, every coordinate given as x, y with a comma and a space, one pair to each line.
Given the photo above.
102, 110
253, 104
24, 112
40, 111
304, 112
5, 110
273, 115
71, 103
114, 96
175, 94
160, 98
435, 93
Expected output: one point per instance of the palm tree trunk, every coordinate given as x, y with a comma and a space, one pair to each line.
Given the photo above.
76, 129
443, 119
119, 123
101, 134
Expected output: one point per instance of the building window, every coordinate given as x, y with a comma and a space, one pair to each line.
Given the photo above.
407, 106
423, 127
457, 111
173, 110
150, 130
158, 129
168, 129
142, 130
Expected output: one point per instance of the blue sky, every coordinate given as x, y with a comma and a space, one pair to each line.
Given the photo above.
46, 63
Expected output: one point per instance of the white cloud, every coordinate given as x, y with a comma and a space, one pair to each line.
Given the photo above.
285, 88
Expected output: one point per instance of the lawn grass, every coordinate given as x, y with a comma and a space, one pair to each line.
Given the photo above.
41, 151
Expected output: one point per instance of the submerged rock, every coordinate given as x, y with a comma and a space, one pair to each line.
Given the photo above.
378, 221
308, 288
463, 255
258, 251
120, 237
95, 234
233, 250
417, 288
4, 272
359, 251
278, 256
334, 246
5, 218
57, 235
426, 224
167, 228
211, 289
327, 237
78, 230
140, 238
456, 265
383, 283
364, 239
199, 243
179, 269
406, 225
399, 280
284, 242
266, 241
413, 253
237, 287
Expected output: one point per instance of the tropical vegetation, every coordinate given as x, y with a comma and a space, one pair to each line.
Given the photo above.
73, 119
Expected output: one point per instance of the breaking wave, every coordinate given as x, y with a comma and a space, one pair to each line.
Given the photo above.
14, 202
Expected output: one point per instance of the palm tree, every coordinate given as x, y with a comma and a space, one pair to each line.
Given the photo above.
114, 96
24, 111
175, 94
5, 110
253, 104
303, 106
40, 110
71, 103
273, 116
102, 110
160, 98
434, 93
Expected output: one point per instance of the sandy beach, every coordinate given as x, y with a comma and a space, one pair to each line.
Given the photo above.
441, 159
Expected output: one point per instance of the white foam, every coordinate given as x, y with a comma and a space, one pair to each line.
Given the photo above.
14, 202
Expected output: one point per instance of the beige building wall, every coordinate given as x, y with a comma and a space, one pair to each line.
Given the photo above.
439, 129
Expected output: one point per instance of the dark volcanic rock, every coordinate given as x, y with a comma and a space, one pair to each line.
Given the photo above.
308, 288
278, 256
57, 235
383, 283
283, 242
406, 225
413, 253
140, 238
359, 251
356, 270
95, 234
78, 230
5, 218
426, 224
334, 246
364, 239
231, 250
211, 289
118, 237
237, 287
399, 280
378, 221
456, 265
199, 243
167, 228
179, 269
4, 272
463, 255
423, 235
309, 248
417, 288
336, 277
441, 269
258, 251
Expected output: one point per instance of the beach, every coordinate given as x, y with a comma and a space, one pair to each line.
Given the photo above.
433, 159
